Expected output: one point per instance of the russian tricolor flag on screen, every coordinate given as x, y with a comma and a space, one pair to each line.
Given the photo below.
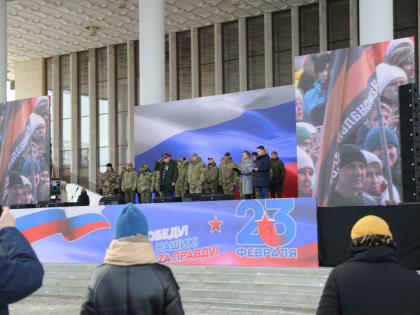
72, 223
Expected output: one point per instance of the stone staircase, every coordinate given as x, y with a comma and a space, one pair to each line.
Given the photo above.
204, 290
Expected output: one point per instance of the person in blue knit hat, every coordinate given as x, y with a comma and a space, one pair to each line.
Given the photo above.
373, 144
131, 281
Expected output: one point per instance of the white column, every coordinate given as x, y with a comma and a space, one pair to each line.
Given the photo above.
243, 66
131, 98
152, 51
376, 21
268, 49
195, 71
56, 115
75, 139
112, 113
218, 57
295, 38
93, 132
354, 17
323, 33
173, 77
3, 51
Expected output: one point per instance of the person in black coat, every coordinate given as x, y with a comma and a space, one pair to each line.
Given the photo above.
131, 281
21, 273
262, 173
168, 175
83, 199
371, 280
277, 176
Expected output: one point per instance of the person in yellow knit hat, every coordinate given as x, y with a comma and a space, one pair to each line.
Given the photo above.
372, 280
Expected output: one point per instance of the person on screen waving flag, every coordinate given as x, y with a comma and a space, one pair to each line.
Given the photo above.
352, 93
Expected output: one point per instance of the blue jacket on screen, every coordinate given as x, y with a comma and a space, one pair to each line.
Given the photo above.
262, 176
312, 98
21, 272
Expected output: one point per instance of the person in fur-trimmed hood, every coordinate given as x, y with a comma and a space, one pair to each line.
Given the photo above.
131, 281
372, 280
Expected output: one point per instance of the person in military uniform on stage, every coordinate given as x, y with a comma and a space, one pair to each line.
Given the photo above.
181, 182
228, 176
129, 183
211, 177
145, 184
196, 171
109, 182
168, 175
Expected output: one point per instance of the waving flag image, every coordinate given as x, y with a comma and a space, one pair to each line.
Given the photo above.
353, 92
351, 98
25, 147
212, 126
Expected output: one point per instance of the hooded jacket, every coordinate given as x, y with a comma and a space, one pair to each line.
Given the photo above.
132, 282
371, 281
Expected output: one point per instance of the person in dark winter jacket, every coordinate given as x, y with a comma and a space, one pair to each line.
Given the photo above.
168, 175
278, 173
262, 173
371, 280
131, 281
83, 199
21, 272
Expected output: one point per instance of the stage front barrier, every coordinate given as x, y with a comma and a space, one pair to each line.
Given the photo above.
272, 232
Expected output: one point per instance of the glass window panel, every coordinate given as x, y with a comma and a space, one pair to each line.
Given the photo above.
65, 175
283, 68
338, 24
49, 69
84, 176
184, 64
207, 60
405, 18
122, 95
231, 76
101, 65
66, 158
83, 80
230, 40
308, 29
66, 125
282, 48
84, 132
102, 98
103, 156
65, 71
121, 61
66, 104
84, 105
84, 157
122, 155
256, 72
207, 85
103, 130
122, 128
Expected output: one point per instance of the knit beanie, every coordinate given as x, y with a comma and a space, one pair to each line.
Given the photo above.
370, 225
42, 105
298, 94
304, 160
130, 221
350, 153
372, 140
386, 73
308, 126
14, 179
372, 158
34, 121
28, 165
396, 43
302, 134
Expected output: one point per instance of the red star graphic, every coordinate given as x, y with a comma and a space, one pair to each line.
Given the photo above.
267, 232
215, 225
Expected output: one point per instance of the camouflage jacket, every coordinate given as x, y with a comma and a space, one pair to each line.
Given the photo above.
146, 180
196, 172
212, 174
226, 173
109, 182
156, 181
182, 175
129, 180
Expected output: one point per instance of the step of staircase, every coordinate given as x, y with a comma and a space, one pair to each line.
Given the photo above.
204, 290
